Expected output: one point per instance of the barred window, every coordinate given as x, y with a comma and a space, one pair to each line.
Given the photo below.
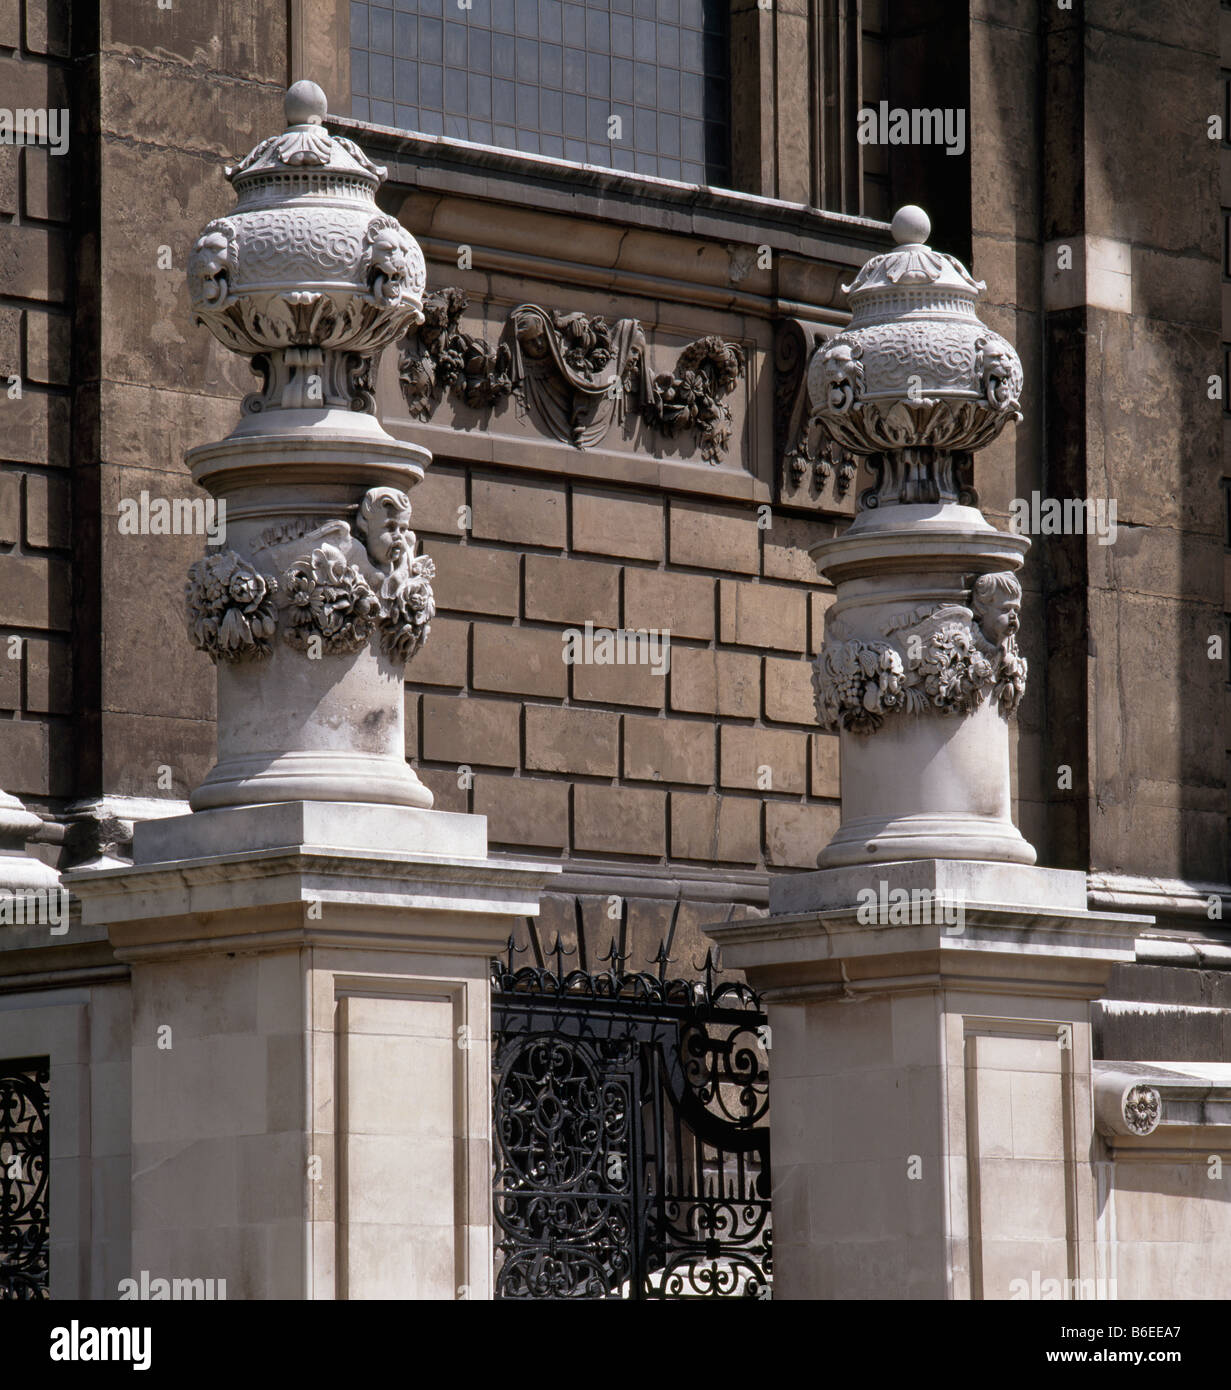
640, 85
23, 1178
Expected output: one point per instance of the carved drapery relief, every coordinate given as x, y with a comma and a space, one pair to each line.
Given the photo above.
332, 587
943, 657
577, 374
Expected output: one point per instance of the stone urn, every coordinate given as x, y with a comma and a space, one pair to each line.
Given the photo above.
919, 671
318, 597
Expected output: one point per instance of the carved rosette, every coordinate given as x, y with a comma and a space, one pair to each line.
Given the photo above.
306, 275
1143, 1108
946, 658
578, 374
915, 373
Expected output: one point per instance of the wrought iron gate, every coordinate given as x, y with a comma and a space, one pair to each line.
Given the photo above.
23, 1178
631, 1136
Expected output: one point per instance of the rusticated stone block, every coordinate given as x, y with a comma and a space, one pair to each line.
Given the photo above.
33, 262
435, 503
560, 590
668, 750
683, 603
726, 829
786, 547
10, 675
45, 181
527, 513
23, 755
819, 605
410, 723
47, 512
712, 537
10, 24
444, 657
617, 523
571, 740
519, 660
523, 810
10, 179
762, 615
716, 682
788, 691
10, 341
763, 759
795, 835
825, 765
446, 788
35, 429
47, 27
33, 592
48, 338
475, 579
619, 685
49, 675
10, 508
471, 731
619, 820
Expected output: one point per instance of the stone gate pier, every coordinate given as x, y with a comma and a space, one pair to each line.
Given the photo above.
940, 1129
309, 949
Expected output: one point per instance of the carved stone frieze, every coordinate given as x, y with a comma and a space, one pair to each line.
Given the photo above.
578, 374
943, 657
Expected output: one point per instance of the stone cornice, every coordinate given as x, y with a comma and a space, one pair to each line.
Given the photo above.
437, 163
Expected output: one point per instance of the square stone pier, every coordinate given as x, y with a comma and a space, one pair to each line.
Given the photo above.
311, 1108
931, 1058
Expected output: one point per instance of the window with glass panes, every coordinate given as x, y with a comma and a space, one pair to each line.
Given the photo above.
548, 76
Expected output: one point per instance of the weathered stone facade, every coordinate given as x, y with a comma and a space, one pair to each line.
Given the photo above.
1086, 131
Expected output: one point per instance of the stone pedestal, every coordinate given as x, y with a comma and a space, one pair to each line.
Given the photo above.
932, 1113
311, 1101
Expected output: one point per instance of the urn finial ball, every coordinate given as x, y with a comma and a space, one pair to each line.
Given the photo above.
305, 104
911, 226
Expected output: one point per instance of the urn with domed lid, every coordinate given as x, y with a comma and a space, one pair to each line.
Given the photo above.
915, 370
306, 275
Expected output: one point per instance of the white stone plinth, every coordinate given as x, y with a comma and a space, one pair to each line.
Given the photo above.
933, 1119
311, 1101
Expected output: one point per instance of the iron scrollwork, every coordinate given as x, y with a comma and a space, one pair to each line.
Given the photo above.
23, 1179
631, 1143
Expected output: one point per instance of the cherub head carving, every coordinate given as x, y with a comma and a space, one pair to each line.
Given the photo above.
996, 600
383, 524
